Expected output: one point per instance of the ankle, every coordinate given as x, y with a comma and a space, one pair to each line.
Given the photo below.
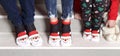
30, 27
54, 27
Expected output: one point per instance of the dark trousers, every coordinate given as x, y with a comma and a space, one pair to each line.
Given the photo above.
67, 8
26, 16
92, 13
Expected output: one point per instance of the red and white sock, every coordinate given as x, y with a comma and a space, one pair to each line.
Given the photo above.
66, 39
35, 38
54, 38
87, 34
95, 35
22, 39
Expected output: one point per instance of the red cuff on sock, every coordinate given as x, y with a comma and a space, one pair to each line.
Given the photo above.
87, 30
95, 32
33, 32
66, 34
54, 34
21, 34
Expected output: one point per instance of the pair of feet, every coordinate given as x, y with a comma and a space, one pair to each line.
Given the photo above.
55, 39
63, 40
28, 37
93, 35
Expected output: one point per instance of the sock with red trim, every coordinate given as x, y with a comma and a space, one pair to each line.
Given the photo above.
20, 30
87, 30
29, 28
95, 31
66, 29
54, 28
33, 32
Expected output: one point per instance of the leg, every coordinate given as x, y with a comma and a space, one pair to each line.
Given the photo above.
12, 11
54, 38
86, 6
86, 13
28, 14
98, 11
67, 13
97, 18
27, 11
67, 9
28, 20
14, 16
51, 6
107, 5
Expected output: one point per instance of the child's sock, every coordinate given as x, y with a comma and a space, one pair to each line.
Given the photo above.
66, 34
66, 29
22, 37
54, 38
95, 35
87, 34
30, 28
34, 36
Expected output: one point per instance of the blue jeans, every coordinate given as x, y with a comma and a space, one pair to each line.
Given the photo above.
26, 16
67, 8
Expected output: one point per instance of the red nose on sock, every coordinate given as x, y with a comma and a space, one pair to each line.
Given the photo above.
87, 30
21, 34
66, 34
66, 23
54, 34
95, 32
33, 32
54, 22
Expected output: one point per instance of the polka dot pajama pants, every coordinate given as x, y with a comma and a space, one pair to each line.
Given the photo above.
92, 12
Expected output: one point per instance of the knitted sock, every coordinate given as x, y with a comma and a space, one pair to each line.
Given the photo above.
66, 28
95, 32
20, 30
30, 28
87, 30
54, 28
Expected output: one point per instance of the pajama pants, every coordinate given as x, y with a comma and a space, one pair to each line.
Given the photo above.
92, 12
67, 8
26, 16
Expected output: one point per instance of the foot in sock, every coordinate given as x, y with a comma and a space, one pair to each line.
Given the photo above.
66, 34
87, 34
22, 38
95, 36
34, 36
54, 38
